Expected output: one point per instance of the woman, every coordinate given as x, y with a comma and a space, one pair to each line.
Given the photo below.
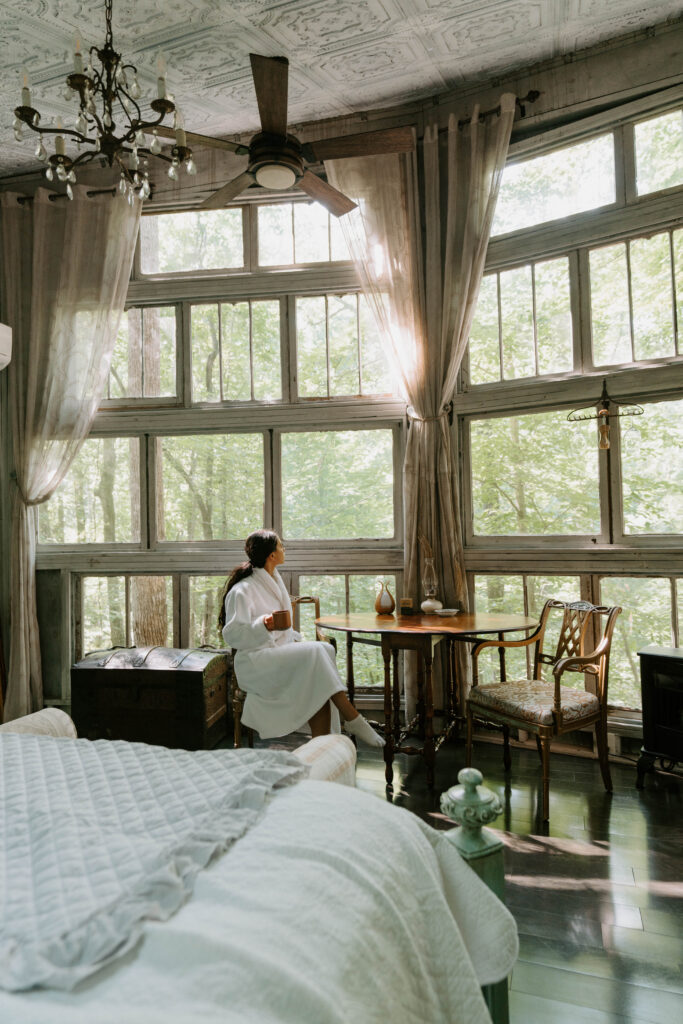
288, 681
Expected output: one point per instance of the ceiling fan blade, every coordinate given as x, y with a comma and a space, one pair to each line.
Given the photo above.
387, 140
228, 191
331, 198
204, 140
270, 76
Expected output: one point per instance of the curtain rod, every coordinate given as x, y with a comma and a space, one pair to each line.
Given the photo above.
530, 97
54, 196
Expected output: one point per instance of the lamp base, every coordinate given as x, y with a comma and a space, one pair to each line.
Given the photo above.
430, 605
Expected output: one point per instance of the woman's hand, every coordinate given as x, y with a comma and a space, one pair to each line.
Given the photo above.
268, 623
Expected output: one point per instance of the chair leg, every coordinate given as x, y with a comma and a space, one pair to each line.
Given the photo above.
545, 762
507, 762
468, 747
603, 753
539, 748
237, 703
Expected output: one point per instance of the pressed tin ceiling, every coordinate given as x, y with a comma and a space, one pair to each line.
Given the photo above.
345, 55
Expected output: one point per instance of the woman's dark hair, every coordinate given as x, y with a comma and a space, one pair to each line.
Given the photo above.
258, 546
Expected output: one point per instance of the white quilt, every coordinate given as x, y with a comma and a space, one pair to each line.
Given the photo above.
335, 907
96, 837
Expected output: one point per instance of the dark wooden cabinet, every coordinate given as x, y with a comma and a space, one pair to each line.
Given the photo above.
161, 695
661, 682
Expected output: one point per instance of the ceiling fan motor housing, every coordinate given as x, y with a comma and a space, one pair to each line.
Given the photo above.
276, 151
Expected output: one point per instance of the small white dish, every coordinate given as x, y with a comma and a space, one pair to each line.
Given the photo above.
447, 611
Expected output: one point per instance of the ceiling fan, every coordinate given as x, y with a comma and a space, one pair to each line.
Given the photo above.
278, 160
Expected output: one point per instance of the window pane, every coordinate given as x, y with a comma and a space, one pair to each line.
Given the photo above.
652, 469
368, 663
610, 324
205, 354
678, 265
517, 323
235, 343
104, 613
514, 492
659, 152
376, 375
205, 597
197, 240
275, 235
484, 349
331, 591
343, 341
559, 184
311, 344
151, 611
99, 500
143, 362
500, 594
212, 486
553, 316
311, 233
645, 619
266, 350
652, 297
337, 484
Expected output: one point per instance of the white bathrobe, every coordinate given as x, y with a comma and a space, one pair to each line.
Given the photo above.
286, 679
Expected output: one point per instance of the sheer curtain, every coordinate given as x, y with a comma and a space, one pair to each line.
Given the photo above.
66, 268
424, 295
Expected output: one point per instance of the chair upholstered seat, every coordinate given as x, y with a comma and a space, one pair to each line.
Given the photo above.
532, 700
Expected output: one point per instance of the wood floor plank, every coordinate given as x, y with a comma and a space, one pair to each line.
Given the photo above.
531, 1009
624, 1000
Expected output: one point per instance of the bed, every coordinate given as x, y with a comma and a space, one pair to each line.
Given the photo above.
291, 900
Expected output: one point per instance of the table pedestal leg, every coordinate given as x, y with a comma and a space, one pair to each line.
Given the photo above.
396, 700
350, 682
388, 731
428, 749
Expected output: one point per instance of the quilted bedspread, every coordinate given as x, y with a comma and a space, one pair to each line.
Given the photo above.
97, 837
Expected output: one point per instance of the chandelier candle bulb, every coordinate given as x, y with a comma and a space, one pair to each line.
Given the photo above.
161, 77
78, 57
25, 92
59, 140
180, 137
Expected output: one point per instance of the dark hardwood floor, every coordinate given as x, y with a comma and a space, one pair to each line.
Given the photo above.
597, 893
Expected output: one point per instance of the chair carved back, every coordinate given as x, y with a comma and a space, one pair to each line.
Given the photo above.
586, 630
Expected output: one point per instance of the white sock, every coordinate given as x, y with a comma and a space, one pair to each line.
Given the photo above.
361, 728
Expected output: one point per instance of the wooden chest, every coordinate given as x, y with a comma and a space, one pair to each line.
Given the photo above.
161, 695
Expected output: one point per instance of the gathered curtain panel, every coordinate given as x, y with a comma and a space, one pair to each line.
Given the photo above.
66, 269
423, 293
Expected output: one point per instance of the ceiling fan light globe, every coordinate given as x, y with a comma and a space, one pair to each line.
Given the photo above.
275, 176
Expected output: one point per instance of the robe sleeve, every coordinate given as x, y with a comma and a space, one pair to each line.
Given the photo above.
242, 631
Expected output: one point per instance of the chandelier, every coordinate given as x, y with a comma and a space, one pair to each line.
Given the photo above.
110, 123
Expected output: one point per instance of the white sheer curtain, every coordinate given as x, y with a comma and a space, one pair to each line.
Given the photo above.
66, 268
424, 295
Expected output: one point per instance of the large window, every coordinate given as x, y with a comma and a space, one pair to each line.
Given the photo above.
248, 388
582, 290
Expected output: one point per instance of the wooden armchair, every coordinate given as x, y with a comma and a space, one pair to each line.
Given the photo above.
549, 709
239, 696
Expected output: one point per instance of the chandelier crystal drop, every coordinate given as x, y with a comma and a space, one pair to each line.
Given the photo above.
109, 123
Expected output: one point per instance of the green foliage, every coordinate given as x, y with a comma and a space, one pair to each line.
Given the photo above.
558, 184
197, 240
144, 358
532, 314
213, 486
98, 501
659, 152
534, 475
337, 484
652, 469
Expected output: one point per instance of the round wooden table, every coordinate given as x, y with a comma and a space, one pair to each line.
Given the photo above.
420, 633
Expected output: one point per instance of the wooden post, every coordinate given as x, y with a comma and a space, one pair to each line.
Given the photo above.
473, 806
